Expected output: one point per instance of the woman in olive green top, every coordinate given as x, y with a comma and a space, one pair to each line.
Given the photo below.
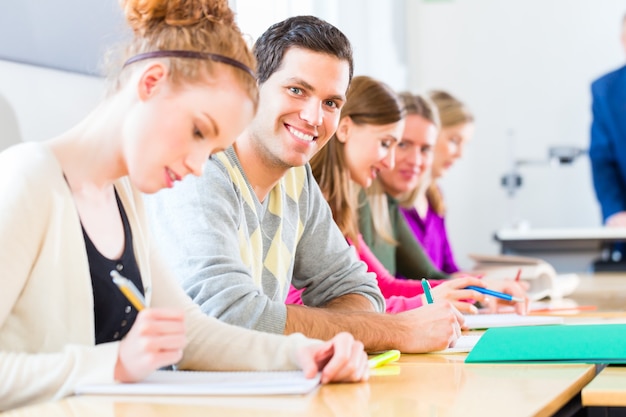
400, 253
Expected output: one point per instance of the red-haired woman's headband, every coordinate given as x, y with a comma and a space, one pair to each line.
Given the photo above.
191, 54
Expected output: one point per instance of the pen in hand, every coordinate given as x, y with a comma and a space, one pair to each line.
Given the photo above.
497, 294
129, 290
426, 287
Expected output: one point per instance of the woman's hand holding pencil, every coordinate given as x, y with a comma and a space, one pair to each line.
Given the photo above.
156, 339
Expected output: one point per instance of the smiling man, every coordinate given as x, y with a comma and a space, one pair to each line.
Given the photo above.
256, 221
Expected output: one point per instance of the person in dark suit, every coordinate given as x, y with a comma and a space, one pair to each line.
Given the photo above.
608, 143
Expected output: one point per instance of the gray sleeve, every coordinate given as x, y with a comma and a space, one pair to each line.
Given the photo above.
195, 226
326, 266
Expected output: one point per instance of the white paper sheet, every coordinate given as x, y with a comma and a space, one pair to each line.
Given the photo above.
464, 344
210, 383
486, 321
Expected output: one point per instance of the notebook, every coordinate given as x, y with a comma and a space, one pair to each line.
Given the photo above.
486, 321
210, 383
595, 343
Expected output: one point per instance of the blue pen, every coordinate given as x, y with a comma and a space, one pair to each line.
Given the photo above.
496, 294
426, 287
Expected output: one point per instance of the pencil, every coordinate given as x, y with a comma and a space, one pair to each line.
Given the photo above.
519, 274
129, 290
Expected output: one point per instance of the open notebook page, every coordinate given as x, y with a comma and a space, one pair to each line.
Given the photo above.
486, 321
210, 383
464, 344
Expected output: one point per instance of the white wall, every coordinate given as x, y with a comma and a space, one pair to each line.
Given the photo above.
375, 29
524, 67
46, 101
377, 33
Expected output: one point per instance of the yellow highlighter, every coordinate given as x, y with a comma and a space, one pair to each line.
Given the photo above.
129, 290
384, 358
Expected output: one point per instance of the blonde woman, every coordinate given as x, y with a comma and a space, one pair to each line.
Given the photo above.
425, 209
406, 202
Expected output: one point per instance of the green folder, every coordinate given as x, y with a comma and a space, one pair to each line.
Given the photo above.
590, 343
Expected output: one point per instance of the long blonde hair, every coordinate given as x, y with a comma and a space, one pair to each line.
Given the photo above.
368, 101
197, 26
417, 105
452, 112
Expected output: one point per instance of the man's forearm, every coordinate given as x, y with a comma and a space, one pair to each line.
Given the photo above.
377, 331
425, 329
350, 302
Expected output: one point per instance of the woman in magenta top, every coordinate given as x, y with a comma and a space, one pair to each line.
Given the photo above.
423, 206
423, 151
431, 232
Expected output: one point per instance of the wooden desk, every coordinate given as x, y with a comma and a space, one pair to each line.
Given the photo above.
425, 385
419, 385
605, 290
608, 389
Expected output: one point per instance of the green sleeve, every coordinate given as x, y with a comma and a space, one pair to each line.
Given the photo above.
384, 251
411, 260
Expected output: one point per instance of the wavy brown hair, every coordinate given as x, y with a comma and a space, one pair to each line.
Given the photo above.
368, 101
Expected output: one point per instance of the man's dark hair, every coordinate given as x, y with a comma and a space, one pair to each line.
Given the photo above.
306, 32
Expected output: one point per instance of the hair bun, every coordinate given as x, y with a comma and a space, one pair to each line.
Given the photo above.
146, 15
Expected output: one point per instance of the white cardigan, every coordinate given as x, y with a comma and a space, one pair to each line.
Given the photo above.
46, 300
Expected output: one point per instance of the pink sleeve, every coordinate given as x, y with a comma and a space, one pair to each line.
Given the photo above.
398, 304
294, 296
400, 294
388, 284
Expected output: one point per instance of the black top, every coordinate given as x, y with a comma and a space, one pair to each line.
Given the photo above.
114, 314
